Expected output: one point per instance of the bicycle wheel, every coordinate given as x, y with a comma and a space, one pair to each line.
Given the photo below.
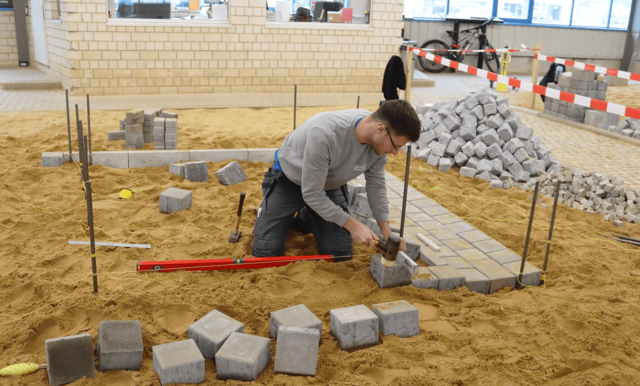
429, 65
490, 58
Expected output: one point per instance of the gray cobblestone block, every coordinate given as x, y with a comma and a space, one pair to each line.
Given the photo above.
481, 129
484, 165
177, 169
116, 135
439, 129
461, 159
445, 164
531, 166
135, 114
470, 120
522, 176
231, 174
592, 94
52, 159
196, 171
297, 350
456, 262
171, 124
468, 149
490, 109
504, 256
425, 138
398, 318
507, 159
388, 277
496, 167
433, 160
480, 149
438, 149
211, 331
169, 114
490, 137
524, 132
423, 154
174, 200
453, 148
159, 123
485, 175
119, 345
513, 145
449, 277
69, 358
243, 357
495, 121
475, 281
355, 326
452, 122
494, 151
530, 276
498, 276
496, 184
424, 279
298, 316
515, 168
502, 101
478, 112
471, 102
505, 175
173, 137
147, 137
505, 132
445, 138
468, 132
150, 114
505, 111
521, 155
565, 79
473, 162
467, 172
133, 128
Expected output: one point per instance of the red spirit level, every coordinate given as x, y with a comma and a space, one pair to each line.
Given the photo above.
227, 264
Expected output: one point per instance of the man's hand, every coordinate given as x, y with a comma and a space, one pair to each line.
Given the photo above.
386, 232
360, 233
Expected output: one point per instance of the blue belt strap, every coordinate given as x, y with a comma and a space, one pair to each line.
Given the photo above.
276, 163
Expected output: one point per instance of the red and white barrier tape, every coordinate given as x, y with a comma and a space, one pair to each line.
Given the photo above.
596, 104
590, 67
490, 50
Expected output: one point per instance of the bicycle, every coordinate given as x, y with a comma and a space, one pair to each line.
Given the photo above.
470, 36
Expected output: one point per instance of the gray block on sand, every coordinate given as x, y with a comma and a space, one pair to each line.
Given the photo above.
297, 316
388, 277
449, 277
496, 273
120, 345
169, 114
135, 114
231, 174
211, 331
52, 159
171, 125
175, 200
243, 357
445, 164
178, 362
297, 350
217, 155
475, 281
530, 276
177, 169
133, 128
159, 123
354, 327
467, 172
156, 158
69, 358
196, 171
111, 159
425, 279
116, 135
398, 318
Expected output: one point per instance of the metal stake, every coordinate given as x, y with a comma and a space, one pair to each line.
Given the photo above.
66, 93
89, 131
553, 220
295, 100
406, 188
526, 241
92, 236
358, 105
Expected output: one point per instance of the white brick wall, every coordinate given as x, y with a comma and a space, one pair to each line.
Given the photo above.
8, 44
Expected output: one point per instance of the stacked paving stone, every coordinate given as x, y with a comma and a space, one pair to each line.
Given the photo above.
629, 127
165, 131
485, 138
133, 129
594, 193
578, 82
147, 126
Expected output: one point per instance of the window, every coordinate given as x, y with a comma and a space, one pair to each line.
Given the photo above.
340, 11
620, 11
591, 13
470, 8
425, 8
552, 12
202, 10
513, 9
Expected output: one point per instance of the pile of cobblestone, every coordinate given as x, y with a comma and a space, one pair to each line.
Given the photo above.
485, 138
629, 127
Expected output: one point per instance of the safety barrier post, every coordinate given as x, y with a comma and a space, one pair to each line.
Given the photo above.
408, 72
534, 75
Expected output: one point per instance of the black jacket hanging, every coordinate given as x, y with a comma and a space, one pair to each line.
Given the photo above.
550, 76
394, 78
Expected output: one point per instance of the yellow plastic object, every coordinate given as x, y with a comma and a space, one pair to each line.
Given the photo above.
505, 58
19, 369
126, 193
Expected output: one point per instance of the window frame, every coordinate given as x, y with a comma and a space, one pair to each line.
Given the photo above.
529, 20
322, 25
142, 22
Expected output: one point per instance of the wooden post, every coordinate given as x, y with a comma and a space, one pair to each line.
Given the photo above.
534, 76
408, 72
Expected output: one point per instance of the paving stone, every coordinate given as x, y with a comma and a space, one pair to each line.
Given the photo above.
354, 327
447, 218
69, 358
488, 246
456, 244
119, 345
471, 254
243, 357
473, 236
467, 172
480, 149
461, 226
52, 159
135, 114
496, 273
169, 114
196, 171
398, 318
116, 135
111, 159
457, 262
425, 279
494, 151
297, 350
175, 200
531, 275
445, 164
297, 316
504, 256
177, 169
475, 281
490, 137
449, 277
231, 174
211, 331
388, 277
153, 158
513, 145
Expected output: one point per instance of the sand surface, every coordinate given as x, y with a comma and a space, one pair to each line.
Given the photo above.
582, 328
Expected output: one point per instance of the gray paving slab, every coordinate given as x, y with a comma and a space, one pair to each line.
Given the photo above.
417, 216
243, 357
212, 330
156, 158
354, 327
119, 345
430, 225
175, 200
443, 233
496, 273
261, 155
111, 159
488, 246
504, 256
435, 210
424, 202
296, 316
297, 350
473, 236
398, 318
69, 358
472, 254
457, 262
178, 362
446, 219
52, 159
411, 208
449, 277
461, 226
457, 244
388, 277
530, 276
218, 155
425, 279
476, 281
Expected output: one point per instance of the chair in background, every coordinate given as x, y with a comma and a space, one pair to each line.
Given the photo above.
347, 15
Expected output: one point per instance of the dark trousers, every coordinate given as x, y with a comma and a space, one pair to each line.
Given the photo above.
282, 199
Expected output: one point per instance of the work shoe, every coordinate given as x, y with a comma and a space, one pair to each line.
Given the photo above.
301, 222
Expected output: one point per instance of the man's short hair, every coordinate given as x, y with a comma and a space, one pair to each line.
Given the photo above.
400, 117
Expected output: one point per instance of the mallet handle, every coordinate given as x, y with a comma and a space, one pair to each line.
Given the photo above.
242, 195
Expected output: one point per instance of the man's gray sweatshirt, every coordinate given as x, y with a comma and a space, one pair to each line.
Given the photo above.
323, 154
